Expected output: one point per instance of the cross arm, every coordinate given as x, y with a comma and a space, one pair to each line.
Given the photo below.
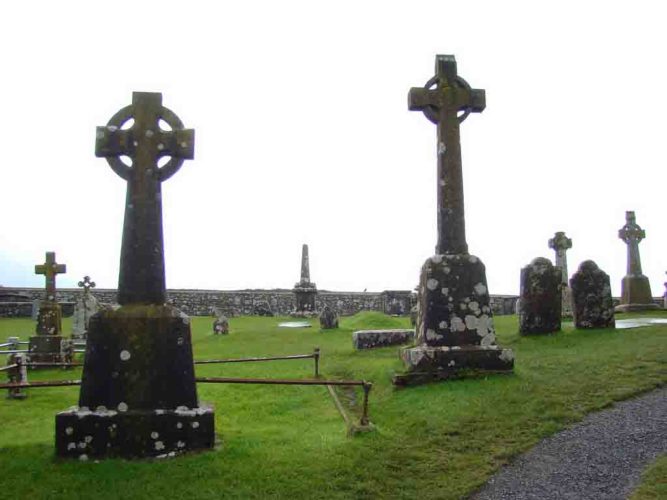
111, 141
180, 144
420, 98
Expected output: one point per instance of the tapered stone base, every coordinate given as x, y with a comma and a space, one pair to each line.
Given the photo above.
45, 349
636, 289
636, 307
427, 364
83, 434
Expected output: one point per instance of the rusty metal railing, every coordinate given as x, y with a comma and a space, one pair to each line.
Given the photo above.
315, 356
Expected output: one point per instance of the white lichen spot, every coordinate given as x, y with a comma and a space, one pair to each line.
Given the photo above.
184, 144
69, 431
125, 355
122, 406
445, 291
160, 147
472, 259
474, 306
180, 444
88, 439
442, 149
446, 270
484, 325
432, 284
431, 335
179, 425
82, 444
451, 299
159, 412
135, 143
507, 355
149, 133
436, 259
471, 322
159, 445
83, 457
442, 325
486, 309
112, 128
463, 306
101, 408
71, 446
100, 134
195, 424
155, 435
488, 340
480, 289
457, 324
451, 363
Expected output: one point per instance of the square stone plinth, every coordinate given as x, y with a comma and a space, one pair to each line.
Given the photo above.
83, 434
636, 294
426, 364
45, 348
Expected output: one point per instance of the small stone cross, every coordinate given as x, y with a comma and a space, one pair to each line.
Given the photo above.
447, 105
631, 233
561, 244
50, 269
86, 284
155, 133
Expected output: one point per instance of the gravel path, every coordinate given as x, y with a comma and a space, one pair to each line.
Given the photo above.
600, 458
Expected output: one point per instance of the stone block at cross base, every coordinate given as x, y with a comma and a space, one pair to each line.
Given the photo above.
593, 306
370, 339
540, 310
454, 333
636, 294
45, 348
138, 374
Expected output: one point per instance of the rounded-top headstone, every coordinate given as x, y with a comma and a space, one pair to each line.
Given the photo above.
540, 300
591, 294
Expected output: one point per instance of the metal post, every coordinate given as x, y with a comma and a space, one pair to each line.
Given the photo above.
316, 356
367, 386
13, 343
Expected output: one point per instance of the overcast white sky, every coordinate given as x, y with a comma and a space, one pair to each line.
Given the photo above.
303, 136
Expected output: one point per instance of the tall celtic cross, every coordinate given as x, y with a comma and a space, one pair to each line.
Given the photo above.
632, 234
156, 132
50, 269
447, 100
561, 244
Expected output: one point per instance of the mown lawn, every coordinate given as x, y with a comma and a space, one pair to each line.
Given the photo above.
437, 441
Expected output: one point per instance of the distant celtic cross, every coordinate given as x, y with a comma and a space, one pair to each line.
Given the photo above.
631, 234
86, 284
156, 132
561, 244
50, 269
447, 100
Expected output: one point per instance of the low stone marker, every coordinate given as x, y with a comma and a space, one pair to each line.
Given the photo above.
328, 318
221, 325
591, 294
370, 339
540, 309
86, 305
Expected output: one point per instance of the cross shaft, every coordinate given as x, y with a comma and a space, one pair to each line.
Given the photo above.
442, 105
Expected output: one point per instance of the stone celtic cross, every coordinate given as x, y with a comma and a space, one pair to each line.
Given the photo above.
156, 132
561, 244
632, 234
447, 100
50, 269
86, 284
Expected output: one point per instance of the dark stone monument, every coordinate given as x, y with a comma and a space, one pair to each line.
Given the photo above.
635, 287
561, 244
540, 309
304, 290
45, 346
328, 318
138, 395
454, 331
591, 294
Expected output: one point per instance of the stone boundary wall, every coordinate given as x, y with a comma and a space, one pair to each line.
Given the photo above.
17, 301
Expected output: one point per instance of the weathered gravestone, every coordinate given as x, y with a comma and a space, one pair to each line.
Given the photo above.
304, 290
220, 324
591, 294
635, 287
540, 309
561, 244
328, 318
45, 346
370, 339
86, 305
138, 395
454, 331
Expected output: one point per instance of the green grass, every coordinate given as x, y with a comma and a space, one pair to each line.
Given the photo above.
436, 441
654, 482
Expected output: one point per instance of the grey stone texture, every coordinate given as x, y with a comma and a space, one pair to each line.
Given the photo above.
328, 318
305, 291
591, 294
221, 325
86, 305
540, 310
370, 339
635, 287
454, 329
